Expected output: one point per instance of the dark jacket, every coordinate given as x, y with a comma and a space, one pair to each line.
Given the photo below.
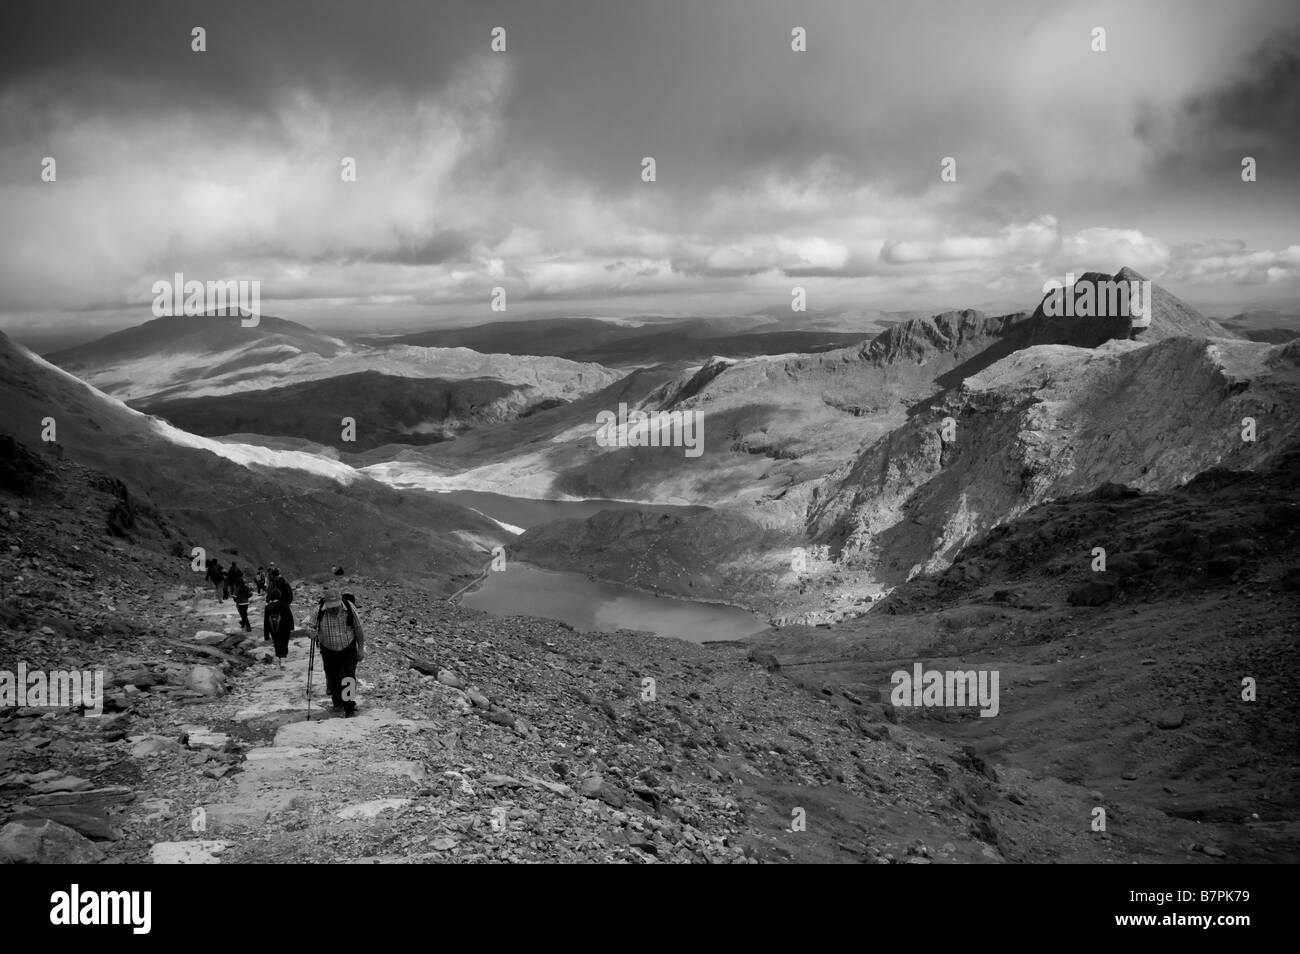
214, 574
279, 589
242, 593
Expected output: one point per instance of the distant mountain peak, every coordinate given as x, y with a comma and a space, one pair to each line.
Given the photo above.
1170, 316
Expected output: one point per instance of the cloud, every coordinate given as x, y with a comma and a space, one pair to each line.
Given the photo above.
1023, 240
476, 170
1094, 247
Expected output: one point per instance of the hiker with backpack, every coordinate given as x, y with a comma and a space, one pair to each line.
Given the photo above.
342, 644
277, 619
234, 576
260, 580
242, 595
216, 578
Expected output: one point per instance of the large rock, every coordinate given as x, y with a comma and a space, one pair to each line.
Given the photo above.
153, 745
31, 841
207, 680
208, 637
67, 783
108, 795
90, 820
602, 789
449, 678
1171, 718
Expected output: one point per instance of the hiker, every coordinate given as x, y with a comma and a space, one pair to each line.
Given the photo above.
277, 619
216, 578
242, 595
234, 575
342, 645
260, 579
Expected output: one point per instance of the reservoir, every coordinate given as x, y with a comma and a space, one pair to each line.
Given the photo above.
591, 606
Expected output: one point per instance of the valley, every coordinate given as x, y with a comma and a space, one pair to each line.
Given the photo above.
928, 496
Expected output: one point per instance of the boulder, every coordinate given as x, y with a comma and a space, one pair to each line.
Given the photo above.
110, 794
449, 678
68, 783
31, 841
154, 745
206, 680
602, 789
90, 820
1170, 718
208, 637
764, 659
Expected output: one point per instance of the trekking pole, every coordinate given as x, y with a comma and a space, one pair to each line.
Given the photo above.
311, 668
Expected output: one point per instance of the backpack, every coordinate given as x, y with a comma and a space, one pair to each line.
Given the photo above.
347, 605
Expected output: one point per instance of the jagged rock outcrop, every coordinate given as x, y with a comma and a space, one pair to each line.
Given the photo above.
1051, 421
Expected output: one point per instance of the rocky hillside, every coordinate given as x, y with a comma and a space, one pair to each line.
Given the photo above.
867, 473
1049, 422
1264, 325
772, 424
478, 738
1126, 681
209, 369
311, 511
387, 409
174, 351
642, 344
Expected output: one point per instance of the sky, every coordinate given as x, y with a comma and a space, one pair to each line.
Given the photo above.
522, 169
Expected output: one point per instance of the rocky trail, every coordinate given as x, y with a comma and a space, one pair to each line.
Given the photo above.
490, 741
495, 739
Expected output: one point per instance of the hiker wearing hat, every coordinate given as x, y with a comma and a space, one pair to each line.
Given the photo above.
277, 618
342, 646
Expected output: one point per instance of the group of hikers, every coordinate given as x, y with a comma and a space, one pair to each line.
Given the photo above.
338, 631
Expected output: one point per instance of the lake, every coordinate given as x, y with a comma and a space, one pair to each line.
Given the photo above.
591, 606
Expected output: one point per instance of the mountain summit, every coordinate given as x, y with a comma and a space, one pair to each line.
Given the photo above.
1170, 317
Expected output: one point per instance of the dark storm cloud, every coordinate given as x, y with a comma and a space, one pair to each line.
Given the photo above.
1266, 101
1256, 110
